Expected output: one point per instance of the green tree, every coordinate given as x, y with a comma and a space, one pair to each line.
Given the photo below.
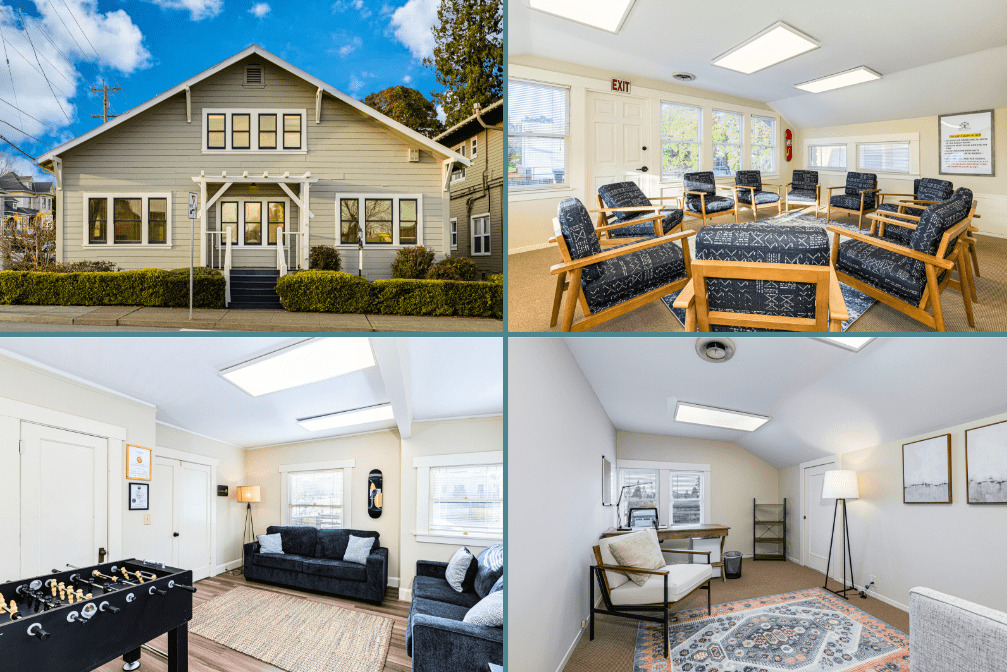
468, 56
407, 106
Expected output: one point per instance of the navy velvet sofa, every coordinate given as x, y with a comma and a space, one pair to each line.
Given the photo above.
437, 639
313, 559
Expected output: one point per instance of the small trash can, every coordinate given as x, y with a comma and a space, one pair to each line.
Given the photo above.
732, 564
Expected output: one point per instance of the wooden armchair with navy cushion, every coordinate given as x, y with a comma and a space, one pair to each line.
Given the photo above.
859, 196
625, 203
910, 277
609, 283
804, 190
752, 277
748, 190
926, 191
701, 199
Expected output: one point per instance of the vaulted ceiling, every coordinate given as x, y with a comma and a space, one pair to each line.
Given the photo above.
822, 399
935, 56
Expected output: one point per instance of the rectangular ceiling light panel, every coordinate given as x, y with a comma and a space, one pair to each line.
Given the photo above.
696, 414
854, 343
839, 80
354, 418
774, 45
300, 364
603, 14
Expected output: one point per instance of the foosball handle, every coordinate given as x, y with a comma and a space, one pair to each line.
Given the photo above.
35, 630
154, 590
191, 589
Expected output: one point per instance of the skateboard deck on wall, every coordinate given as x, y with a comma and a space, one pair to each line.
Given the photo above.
374, 496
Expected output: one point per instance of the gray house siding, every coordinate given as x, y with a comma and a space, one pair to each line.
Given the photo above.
479, 193
158, 151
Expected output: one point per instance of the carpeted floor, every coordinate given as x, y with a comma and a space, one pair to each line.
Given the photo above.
530, 289
614, 642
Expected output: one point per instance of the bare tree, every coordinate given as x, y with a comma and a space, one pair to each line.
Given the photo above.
28, 243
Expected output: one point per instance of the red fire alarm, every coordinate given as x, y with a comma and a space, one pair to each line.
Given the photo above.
620, 85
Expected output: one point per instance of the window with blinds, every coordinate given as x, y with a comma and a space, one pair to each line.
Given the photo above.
827, 157
726, 142
538, 134
681, 135
686, 497
883, 157
642, 490
467, 499
763, 144
315, 498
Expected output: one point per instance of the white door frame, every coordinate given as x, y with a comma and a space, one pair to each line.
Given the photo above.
831, 460
213, 463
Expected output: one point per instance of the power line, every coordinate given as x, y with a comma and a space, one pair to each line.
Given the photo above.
28, 61
51, 90
33, 159
29, 115
104, 116
26, 134
96, 55
10, 73
66, 58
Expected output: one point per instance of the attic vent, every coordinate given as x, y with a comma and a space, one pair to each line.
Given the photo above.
715, 350
253, 76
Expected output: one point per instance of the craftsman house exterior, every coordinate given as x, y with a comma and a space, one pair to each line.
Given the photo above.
280, 162
476, 218
24, 196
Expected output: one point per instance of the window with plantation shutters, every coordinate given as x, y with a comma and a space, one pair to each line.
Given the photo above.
883, 157
538, 134
466, 499
315, 498
686, 498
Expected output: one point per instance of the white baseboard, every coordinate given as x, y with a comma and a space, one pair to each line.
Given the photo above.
529, 248
876, 595
393, 582
226, 567
794, 560
570, 650
405, 594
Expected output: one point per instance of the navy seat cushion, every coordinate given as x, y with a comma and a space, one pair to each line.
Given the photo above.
858, 182
431, 588
881, 269
749, 178
753, 242
672, 218
490, 569
633, 274
801, 196
335, 569
332, 543
579, 235
805, 180
850, 202
429, 607
761, 197
292, 563
296, 540
713, 204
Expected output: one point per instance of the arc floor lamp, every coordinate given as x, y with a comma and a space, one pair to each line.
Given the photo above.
840, 485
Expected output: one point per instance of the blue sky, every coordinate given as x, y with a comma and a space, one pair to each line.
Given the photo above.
148, 46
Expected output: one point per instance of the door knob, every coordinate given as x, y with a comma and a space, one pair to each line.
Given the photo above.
175, 534
101, 555
644, 169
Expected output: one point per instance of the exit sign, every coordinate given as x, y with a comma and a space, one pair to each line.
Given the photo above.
620, 85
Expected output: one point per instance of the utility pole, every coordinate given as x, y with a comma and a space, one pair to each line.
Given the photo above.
105, 116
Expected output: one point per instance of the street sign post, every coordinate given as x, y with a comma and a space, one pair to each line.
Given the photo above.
193, 207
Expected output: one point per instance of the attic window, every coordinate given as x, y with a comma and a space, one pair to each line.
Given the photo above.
253, 76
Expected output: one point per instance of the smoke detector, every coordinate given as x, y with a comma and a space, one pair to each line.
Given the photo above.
715, 350
684, 76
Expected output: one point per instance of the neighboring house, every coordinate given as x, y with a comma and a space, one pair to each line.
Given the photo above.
476, 219
24, 196
267, 147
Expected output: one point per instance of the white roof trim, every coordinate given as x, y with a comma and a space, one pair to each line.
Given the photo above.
256, 50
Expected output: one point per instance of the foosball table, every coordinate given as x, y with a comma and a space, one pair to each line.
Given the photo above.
78, 620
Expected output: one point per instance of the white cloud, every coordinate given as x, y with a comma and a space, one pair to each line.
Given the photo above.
358, 5
441, 114
351, 45
260, 9
198, 9
408, 79
356, 84
412, 24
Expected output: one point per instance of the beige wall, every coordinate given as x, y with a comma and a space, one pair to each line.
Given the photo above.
736, 477
990, 192
379, 450
476, 435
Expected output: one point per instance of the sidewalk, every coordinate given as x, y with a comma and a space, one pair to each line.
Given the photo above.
237, 320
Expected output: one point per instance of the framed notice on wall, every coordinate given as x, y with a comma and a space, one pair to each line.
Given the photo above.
138, 463
966, 143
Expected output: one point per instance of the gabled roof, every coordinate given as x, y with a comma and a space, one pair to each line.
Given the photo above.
492, 114
256, 50
10, 181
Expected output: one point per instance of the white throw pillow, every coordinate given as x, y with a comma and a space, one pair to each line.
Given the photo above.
358, 549
487, 611
458, 568
638, 549
270, 543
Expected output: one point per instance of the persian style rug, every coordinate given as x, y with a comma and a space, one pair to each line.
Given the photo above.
857, 302
293, 633
807, 630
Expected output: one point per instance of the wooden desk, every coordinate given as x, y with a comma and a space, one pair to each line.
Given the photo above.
707, 531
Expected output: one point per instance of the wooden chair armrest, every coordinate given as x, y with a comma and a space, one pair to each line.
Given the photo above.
916, 200
618, 252
619, 225
685, 552
869, 191
666, 198
775, 186
789, 184
686, 297
635, 570
726, 187
889, 218
894, 247
885, 193
841, 186
698, 193
837, 304
630, 208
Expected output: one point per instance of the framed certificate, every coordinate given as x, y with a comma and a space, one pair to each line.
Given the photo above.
139, 496
139, 463
965, 143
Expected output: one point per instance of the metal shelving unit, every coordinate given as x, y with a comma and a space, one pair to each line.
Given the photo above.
769, 530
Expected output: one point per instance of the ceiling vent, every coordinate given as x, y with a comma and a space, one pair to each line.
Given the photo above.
684, 76
715, 350
253, 76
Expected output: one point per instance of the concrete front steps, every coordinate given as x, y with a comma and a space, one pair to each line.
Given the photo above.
254, 288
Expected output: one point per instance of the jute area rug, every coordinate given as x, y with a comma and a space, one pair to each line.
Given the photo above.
293, 633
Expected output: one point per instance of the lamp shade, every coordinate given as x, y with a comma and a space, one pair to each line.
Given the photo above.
840, 484
249, 493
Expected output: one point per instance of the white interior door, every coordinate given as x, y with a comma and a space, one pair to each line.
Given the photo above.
818, 514
192, 518
64, 498
618, 147
162, 509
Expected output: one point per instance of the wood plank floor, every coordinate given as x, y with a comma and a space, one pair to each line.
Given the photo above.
208, 656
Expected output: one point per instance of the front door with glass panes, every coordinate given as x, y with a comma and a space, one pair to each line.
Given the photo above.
254, 223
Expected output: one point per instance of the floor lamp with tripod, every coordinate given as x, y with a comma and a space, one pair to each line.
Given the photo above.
840, 485
248, 495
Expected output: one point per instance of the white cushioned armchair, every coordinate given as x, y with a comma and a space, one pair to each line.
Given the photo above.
948, 634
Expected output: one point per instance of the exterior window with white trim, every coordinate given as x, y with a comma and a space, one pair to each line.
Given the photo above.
246, 130
378, 221
386, 221
538, 134
681, 139
157, 221
127, 219
475, 147
267, 131
97, 220
315, 498
763, 132
883, 157
408, 221
292, 131
241, 131
276, 213
229, 219
454, 233
216, 131
458, 173
827, 157
726, 142
480, 236
253, 221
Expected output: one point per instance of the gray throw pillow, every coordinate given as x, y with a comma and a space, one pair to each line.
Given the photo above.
358, 549
497, 586
458, 568
270, 543
487, 611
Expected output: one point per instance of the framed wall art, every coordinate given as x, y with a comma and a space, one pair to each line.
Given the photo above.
986, 464
139, 496
139, 463
965, 143
926, 471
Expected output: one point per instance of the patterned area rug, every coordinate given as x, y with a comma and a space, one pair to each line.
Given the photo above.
294, 633
857, 302
808, 630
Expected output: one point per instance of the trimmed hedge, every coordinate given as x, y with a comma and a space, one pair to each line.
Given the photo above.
150, 287
332, 292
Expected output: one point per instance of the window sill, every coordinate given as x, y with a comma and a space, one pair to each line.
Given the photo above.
538, 194
377, 246
110, 246
256, 152
456, 540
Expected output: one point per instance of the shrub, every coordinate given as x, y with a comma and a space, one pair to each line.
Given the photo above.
324, 258
90, 266
412, 263
149, 287
454, 268
324, 292
438, 297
